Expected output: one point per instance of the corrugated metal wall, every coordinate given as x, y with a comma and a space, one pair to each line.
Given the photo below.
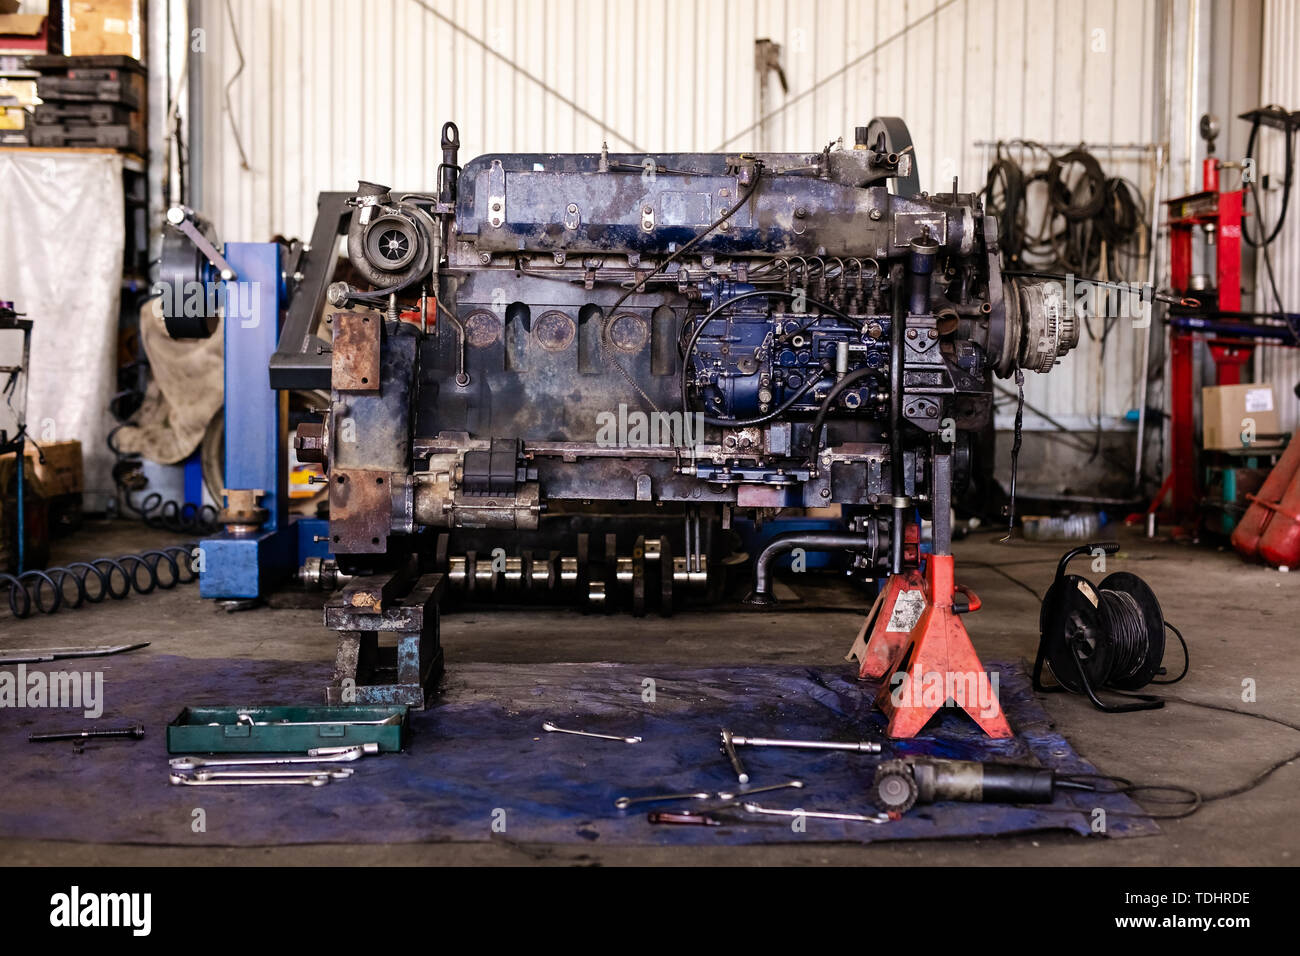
1280, 84
336, 90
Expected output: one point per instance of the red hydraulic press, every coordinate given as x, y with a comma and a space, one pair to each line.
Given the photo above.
1214, 216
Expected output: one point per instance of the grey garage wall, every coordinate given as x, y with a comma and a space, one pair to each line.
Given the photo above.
324, 92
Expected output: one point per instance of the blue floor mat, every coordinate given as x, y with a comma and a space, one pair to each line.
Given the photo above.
479, 767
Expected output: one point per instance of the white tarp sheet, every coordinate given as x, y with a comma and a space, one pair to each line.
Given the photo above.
61, 247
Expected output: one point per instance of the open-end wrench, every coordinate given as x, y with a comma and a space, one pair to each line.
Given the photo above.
338, 773
729, 748
551, 728
728, 795
194, 763
819, 814
180, 779
623, 803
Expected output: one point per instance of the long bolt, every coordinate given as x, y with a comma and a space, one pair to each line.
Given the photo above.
135, 732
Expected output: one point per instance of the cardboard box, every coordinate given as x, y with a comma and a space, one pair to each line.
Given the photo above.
97, 27
1228, 410
62, 472
24, 91
24, 33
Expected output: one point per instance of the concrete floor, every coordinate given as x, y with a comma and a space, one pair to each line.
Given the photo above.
1241, 622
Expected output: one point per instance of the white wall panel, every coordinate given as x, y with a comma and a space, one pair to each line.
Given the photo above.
1280, 84
333, 91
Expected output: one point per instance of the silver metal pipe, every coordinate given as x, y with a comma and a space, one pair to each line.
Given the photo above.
1157, 179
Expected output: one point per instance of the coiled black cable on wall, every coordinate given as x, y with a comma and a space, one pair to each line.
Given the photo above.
91, 582
1087, 222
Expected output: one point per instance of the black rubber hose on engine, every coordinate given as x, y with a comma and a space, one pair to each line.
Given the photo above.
896, 483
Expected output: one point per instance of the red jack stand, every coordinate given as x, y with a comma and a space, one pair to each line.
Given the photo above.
884, 633
933, 662
891, 626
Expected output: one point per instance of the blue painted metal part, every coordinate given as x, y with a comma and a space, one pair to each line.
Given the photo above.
247, 566
810, 343
21, 462
194, 478
307, 530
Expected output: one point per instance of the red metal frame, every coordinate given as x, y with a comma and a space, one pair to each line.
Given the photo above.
1221, 212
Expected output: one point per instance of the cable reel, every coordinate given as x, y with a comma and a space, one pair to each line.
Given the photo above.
1109, 636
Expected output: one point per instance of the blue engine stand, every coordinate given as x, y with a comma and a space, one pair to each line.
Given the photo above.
247, 566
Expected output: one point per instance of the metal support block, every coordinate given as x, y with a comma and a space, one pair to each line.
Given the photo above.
246, 565
367, 671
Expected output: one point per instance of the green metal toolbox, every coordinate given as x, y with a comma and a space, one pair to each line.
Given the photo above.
286, 729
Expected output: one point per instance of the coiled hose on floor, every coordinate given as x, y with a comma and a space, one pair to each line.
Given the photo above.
90, 582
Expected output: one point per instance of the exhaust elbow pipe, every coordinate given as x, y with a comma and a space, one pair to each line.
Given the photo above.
761, 595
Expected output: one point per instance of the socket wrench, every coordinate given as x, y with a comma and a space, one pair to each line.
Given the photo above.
858, 746
729, 748
818, 814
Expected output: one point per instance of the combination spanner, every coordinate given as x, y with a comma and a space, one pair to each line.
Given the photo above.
792, 785
551, 728
622, 803
194, 763
337, 773
180, 779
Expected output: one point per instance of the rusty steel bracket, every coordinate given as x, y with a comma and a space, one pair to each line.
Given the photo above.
360, 511
404, 672
376, 593
356, 349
